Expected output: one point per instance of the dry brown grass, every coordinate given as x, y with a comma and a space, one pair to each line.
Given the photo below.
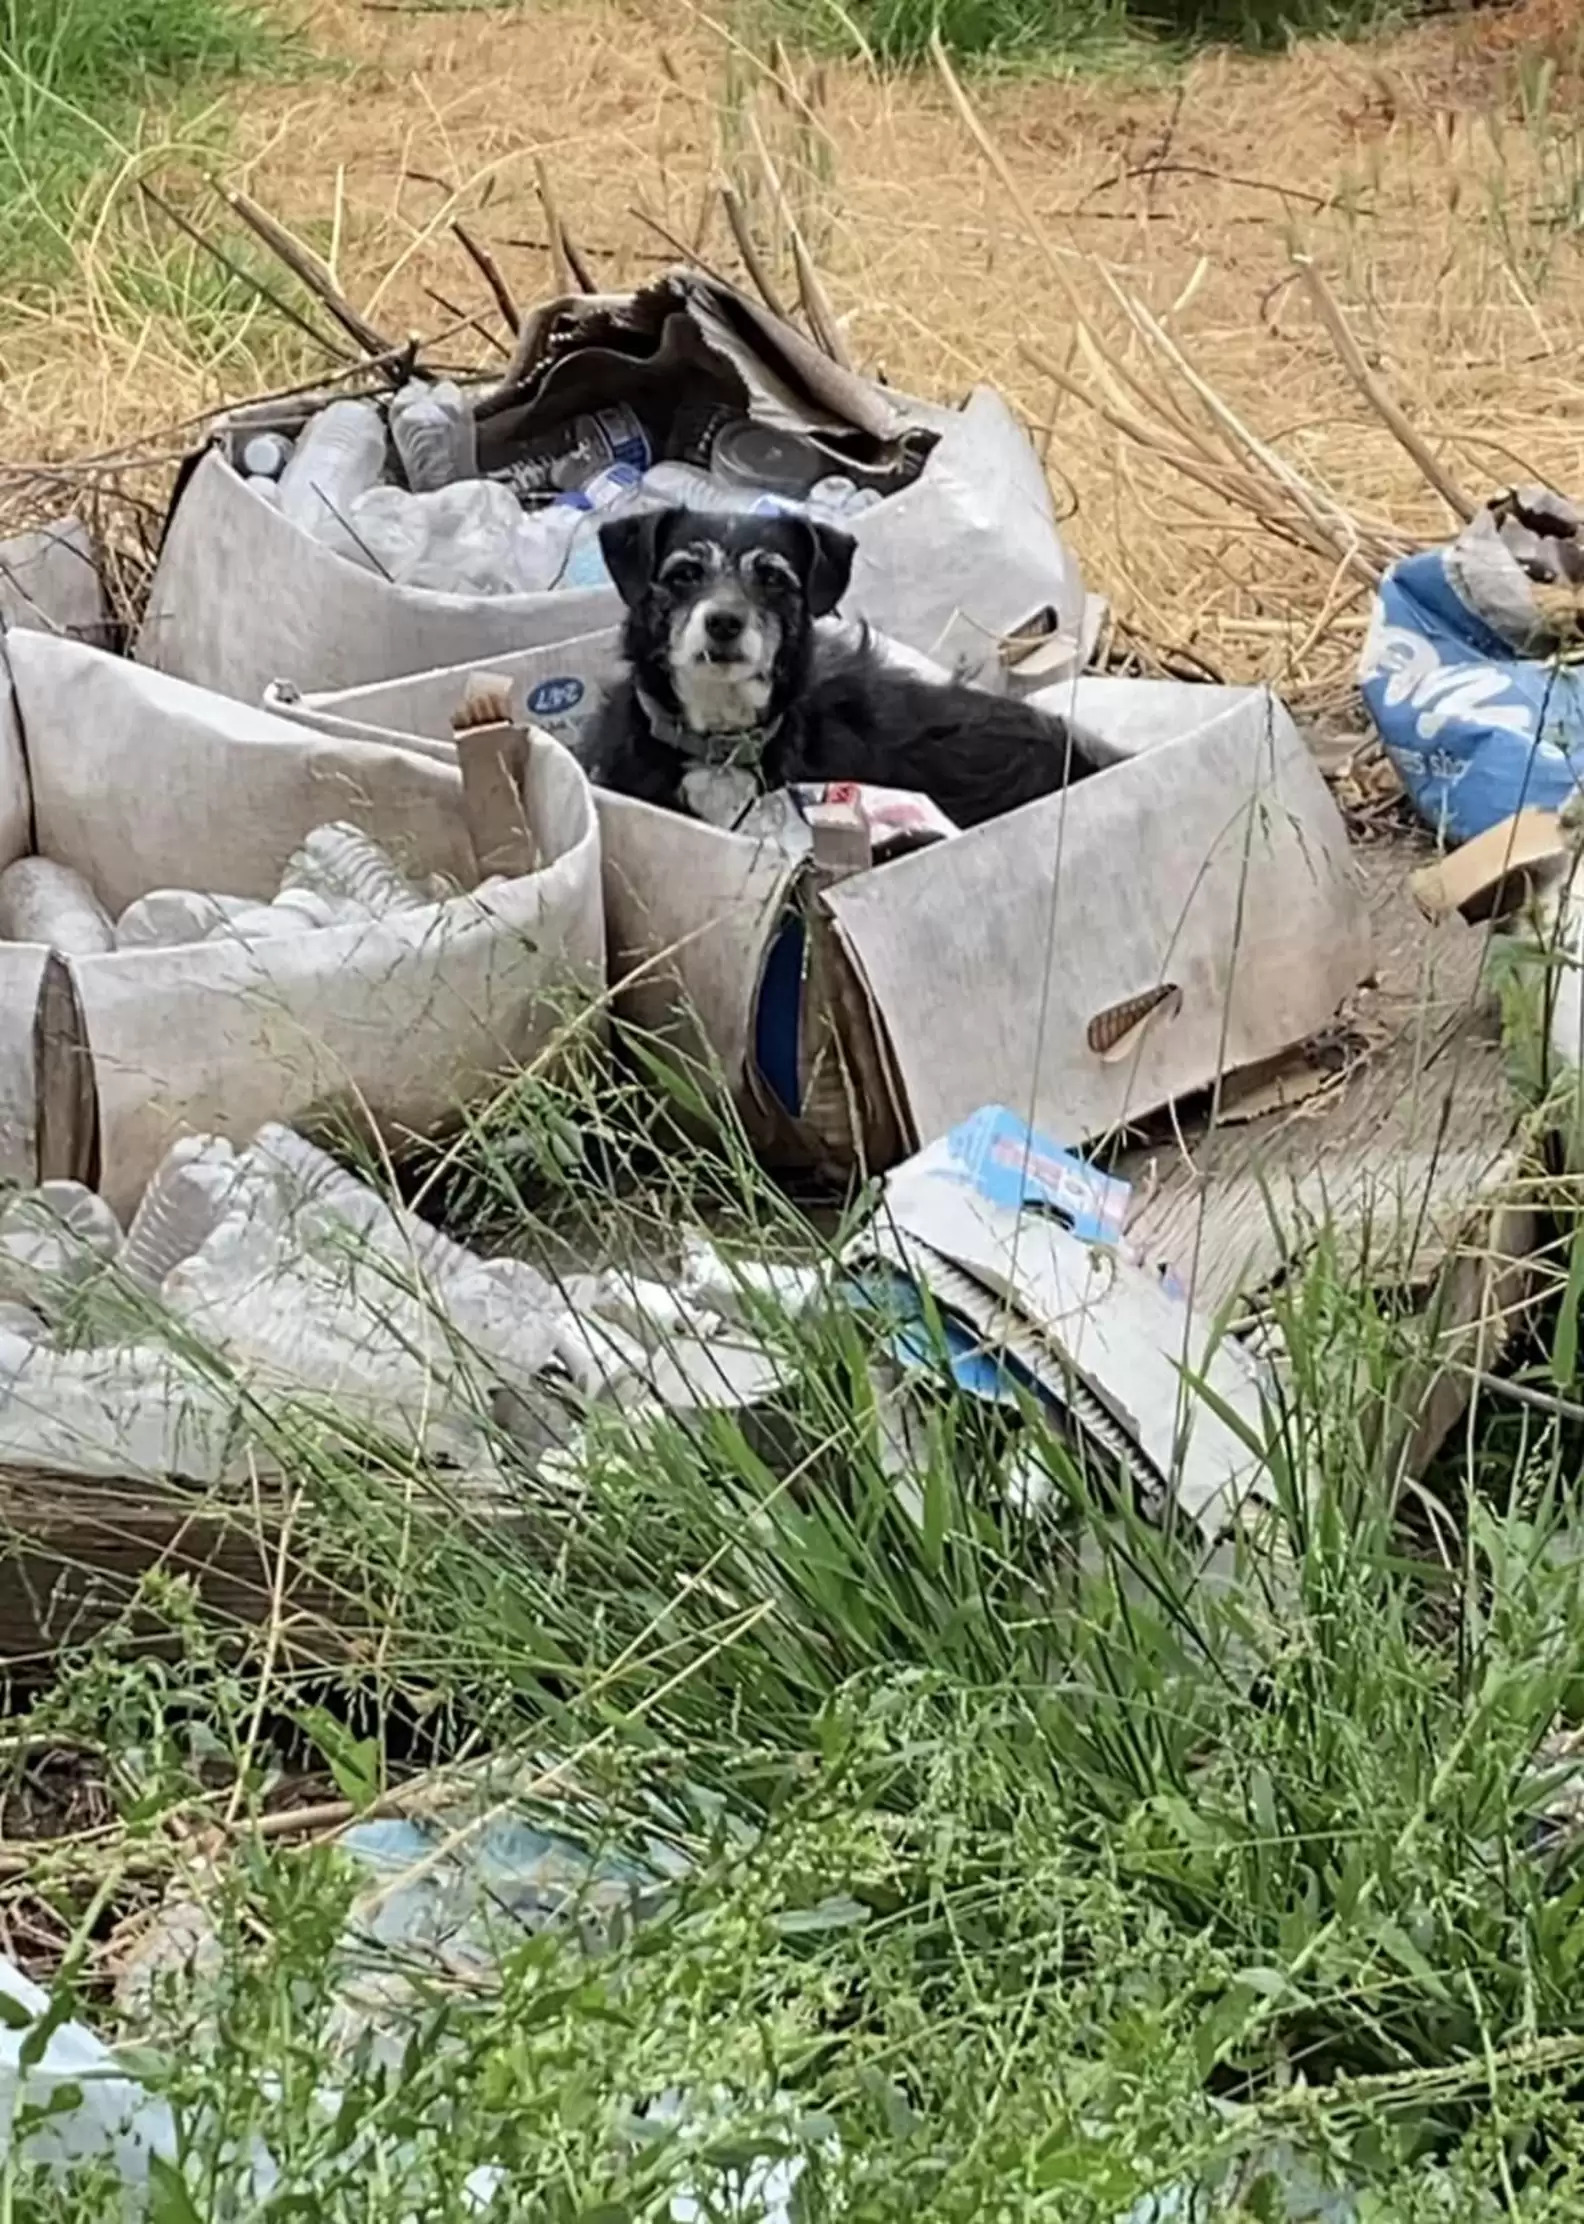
1408, 172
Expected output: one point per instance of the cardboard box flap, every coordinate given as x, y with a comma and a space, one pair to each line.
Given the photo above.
691, 916
1103, 953
558, 689
50, 583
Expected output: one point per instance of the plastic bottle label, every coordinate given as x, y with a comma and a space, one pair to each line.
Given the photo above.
624, 436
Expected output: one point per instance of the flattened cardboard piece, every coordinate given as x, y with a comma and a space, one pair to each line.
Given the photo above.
144, 782
1137, 1350
1492, 874
50, 583
1205, 886
241, 597
790, 382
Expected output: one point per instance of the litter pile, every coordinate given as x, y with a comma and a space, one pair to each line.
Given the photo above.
255, 1290
325, 841
463, 525
338, 876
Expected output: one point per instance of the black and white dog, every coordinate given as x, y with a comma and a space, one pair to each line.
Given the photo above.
725, 669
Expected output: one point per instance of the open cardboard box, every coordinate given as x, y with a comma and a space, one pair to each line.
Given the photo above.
964, 565
137, 781
1191, 909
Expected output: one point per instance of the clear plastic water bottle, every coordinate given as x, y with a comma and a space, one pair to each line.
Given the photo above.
608, 490
265, 455
434, 434
340, 455
690, 488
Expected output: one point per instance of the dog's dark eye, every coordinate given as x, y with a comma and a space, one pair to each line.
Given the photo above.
773, 572
684, 573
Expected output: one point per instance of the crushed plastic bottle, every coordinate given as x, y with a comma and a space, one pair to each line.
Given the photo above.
691, 488
168, 917
339, 457
339, 861
467, 539
434, 434
835, 497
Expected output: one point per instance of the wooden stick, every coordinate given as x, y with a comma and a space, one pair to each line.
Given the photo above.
490, 270
307, 267
466, 322
997, 161
1375, 394
1227, 481
276, 301
570, 265
752, 261
679, 247
1326, 515
817, 310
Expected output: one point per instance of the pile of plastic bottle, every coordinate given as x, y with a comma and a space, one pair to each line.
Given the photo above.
535, 525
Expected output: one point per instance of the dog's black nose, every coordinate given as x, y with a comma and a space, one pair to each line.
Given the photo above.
723, 627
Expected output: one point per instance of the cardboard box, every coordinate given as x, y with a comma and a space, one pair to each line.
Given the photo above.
960, 565
137, 781
1190, 910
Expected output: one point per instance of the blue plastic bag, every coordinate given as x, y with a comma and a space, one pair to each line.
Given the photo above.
1476, 729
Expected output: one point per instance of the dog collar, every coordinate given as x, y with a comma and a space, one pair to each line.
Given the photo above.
738, 745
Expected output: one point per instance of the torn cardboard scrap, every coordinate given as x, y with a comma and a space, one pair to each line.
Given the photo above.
1019, 1239
1496, 872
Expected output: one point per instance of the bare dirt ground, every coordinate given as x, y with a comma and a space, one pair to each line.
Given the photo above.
1438, 180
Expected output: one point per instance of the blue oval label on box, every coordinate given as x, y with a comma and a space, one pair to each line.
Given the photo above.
554, 698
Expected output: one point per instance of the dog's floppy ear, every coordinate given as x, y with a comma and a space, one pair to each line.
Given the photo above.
827, 566
629, 546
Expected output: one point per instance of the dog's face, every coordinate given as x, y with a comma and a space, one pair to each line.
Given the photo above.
721, 608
